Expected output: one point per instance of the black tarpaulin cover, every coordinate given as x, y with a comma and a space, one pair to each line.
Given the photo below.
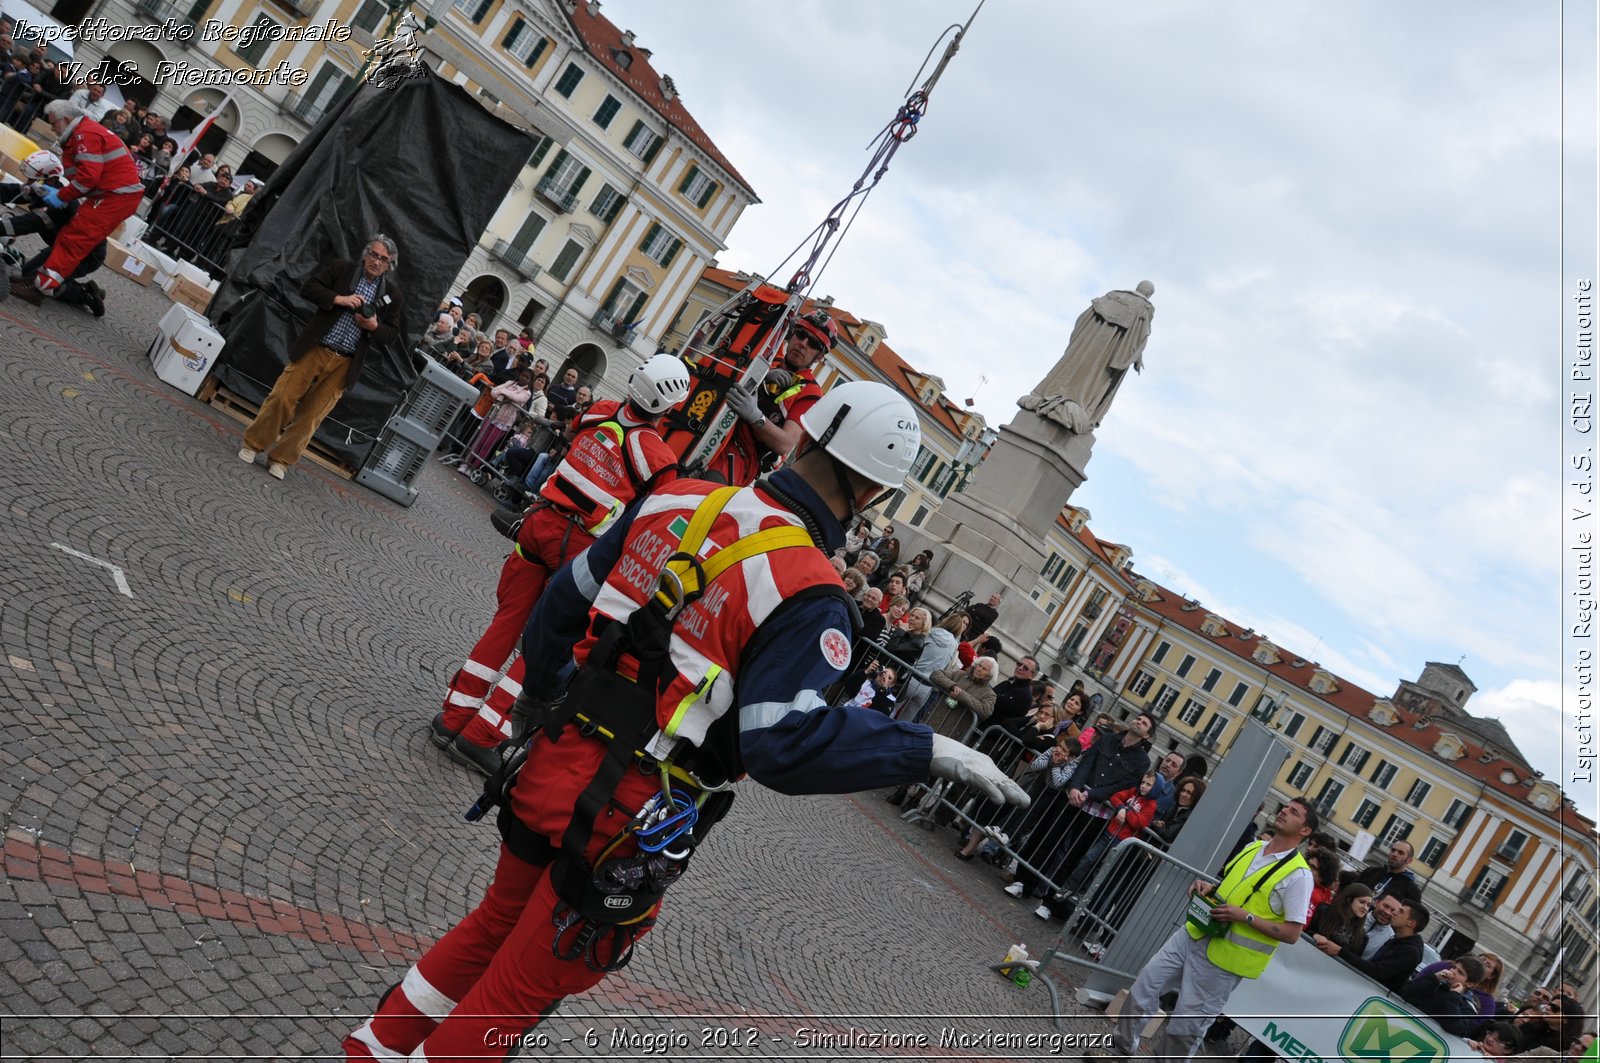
389, 160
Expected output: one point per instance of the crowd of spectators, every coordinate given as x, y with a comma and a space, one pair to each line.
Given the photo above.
516, 432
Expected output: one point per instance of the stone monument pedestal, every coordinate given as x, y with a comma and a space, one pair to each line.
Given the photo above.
992, 536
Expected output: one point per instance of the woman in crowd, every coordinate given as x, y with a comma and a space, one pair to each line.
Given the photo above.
120, 123
1342, 920
1190, 790
907, 643
855, 540
938, 650
970, 690
509, 399
1074, 710
1324, 877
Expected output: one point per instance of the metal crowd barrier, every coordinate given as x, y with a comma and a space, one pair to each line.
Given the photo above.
187, 225
1033, 843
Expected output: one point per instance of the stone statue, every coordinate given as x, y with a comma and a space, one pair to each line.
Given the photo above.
1107, 338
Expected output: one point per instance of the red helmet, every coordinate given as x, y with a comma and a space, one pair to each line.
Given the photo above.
820, 326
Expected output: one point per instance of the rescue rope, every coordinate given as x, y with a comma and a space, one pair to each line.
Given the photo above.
900, 129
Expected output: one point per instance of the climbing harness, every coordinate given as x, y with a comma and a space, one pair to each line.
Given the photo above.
605, 905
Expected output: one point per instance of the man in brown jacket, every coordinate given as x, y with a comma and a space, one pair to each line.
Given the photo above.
357, 306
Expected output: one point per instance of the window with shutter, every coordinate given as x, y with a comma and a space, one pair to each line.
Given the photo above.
264, 33
607, 204
660, 245
368, 16
697, 186
474, 9
568, 81
642, 143
524, 43
566, 259
607, 111
323, 90
1367, 813
532, 226
539, 151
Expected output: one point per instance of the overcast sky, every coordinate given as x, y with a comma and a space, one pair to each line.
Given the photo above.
1346, 434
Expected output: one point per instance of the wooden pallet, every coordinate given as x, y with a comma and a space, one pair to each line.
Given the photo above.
244, 411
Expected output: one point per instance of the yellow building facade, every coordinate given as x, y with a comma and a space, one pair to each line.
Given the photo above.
1507, 861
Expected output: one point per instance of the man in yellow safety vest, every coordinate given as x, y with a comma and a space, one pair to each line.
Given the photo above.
1232, 930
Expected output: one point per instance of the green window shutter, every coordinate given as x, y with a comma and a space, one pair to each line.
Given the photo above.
610, 305
538, 50
566, 260
688, 178
650, 234
555, 167
517, 28
577, 182
655, 147
616, 207
705, 197
634, 309
482, 10
672, 252
539, 152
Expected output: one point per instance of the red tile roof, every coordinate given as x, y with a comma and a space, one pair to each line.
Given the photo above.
603, 38
1357, 702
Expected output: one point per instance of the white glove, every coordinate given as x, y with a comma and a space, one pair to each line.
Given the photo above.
743, 403
962, 764
779, 378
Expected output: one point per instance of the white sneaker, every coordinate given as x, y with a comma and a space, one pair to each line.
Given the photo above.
246, 454
1043, 911
277, 469
1014, 890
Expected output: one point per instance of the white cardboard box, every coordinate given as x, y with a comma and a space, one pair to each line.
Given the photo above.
165, 265
185, 349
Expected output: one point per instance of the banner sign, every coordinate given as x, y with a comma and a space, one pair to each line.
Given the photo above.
1311, 1007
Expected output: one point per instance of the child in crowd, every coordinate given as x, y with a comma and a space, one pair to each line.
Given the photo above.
1132, 811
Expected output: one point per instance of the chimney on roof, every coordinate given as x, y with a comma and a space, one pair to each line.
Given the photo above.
594, 8
627, 38
825, 301
669, 89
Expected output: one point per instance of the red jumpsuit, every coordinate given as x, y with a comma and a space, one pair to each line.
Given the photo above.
614, 457
100, 171
739, 460
494, 974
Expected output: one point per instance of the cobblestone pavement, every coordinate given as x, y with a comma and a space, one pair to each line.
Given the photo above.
226, 832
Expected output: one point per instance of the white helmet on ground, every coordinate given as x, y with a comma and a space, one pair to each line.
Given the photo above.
868, 428
41, 166
659, 384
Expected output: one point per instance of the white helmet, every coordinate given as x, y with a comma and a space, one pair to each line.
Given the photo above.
867, 427
659, 384
41, 166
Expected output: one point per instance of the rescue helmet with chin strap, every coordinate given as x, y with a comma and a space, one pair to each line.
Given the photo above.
659, 384
867, 427
41, 166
